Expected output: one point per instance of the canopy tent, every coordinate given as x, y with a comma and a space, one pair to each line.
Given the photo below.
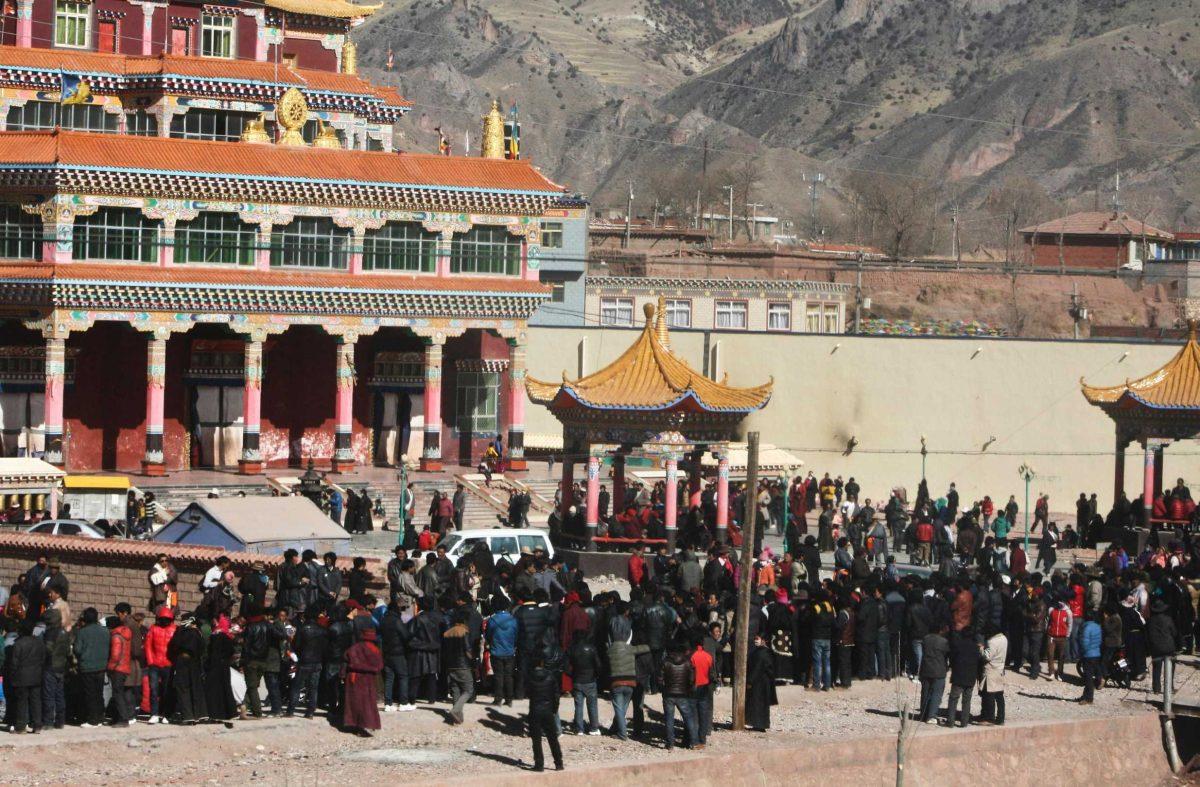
267, 525
32, 484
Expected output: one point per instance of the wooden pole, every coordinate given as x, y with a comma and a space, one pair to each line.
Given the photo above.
741, 645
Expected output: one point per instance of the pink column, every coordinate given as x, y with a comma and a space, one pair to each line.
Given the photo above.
1148, 485
153, 463
531, 262
516, 405
166, 245
56, 360
670, 502
593, 499
260, 40
355, 260
343, 454
147, 29
431, 455
445, 243
618, 474
723, 497
25, 23
262, 255
251, 462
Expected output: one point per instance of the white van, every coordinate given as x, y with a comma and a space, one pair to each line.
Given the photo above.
501, 540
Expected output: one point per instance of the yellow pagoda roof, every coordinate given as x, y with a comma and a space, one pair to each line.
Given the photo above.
1173, 386
648, 376
334, 9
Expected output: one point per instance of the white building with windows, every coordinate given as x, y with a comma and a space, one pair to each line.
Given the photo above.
764, 305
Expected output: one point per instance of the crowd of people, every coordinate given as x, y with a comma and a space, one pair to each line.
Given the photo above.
527, 627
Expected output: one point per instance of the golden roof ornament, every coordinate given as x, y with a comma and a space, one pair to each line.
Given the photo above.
493, 133
326, 137
291, 112
255, 131
660, 324
349, 57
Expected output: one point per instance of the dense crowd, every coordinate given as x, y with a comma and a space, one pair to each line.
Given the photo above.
528, 628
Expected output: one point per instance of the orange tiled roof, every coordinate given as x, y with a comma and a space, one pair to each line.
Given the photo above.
1099, 222
648, 376
165, 155
1173, 386
334, 9
182, 274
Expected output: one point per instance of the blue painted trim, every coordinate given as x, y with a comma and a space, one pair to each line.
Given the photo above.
1153, 406
688, 394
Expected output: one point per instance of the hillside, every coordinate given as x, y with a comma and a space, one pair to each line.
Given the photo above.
970, 96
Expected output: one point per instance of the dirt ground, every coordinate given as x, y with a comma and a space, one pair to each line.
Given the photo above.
421, 746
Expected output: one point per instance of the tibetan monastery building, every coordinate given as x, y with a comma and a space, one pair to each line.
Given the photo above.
211, 255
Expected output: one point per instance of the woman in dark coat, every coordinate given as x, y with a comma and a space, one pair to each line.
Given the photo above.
186, 652
217, 688
760, 688
353, 512
781, 629
363, 663
366, 522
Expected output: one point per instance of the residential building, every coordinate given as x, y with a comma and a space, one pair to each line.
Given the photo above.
1094, 239
562, 262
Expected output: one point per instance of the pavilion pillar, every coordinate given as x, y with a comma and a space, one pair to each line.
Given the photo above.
56, 365
431, 454
671, 502
1158, 468
153, 462
343, 454
723, 496
1148, 482
251, 462
566, 484
1119, 474
516, 405
593, 499
618, 475
25, 23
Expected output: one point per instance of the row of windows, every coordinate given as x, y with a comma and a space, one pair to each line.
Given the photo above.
728, 314
43, 115
73, 28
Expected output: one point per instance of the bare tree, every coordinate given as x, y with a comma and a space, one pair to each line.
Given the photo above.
1017, 202
901, 210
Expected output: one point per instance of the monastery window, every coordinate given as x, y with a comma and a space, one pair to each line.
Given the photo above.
141, 123
216, 35
486, 249
20, 234
731, 314
478, 402
72, 21
552, 234
779, 316
375, 144
832, 319
118, 234
42, 115
616, 311
211, 124
400, 246
216, 239
822, 318
310, 242
679, 313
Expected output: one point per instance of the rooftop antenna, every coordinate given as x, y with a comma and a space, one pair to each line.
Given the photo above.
1116, 200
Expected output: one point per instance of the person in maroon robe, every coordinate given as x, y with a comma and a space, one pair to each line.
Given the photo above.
363, 663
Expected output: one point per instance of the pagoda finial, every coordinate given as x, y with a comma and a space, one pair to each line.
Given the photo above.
660, 324
493, 133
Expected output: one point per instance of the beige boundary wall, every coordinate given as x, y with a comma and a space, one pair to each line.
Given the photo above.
889, 391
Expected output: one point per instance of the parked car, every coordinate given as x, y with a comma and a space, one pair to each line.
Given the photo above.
66, 527
501, 540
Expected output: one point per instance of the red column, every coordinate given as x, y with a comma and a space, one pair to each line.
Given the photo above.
343, 453
670, 501
593, 499
723, 497
431, 455
154, 463
251, 462
1148, 482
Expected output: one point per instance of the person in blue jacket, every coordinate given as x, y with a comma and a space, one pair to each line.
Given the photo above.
501, 632
1090, 640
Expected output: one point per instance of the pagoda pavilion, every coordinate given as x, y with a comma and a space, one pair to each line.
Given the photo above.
1155, 410
647, 396
213, 255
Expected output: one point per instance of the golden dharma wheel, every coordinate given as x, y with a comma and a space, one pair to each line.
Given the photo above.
292, 110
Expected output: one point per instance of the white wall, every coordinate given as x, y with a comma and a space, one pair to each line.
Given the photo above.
888, 392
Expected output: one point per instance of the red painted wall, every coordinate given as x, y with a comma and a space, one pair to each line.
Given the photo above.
1078, 252
309, 54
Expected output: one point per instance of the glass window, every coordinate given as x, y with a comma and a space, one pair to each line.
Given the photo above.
20, 234
216, 238
216, 35
812, 318
71, 22
679, 313
532, 542
831, 319
310, 242
478, 399
141, 123
616, 311
552, 234
731, 314
558, 291
41, 115
779, 316
486, 249
502, 544
120, 234
400, 246
211, 124
68, 529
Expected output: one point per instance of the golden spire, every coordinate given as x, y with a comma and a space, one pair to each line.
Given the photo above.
493, 133
349, 57
660, 324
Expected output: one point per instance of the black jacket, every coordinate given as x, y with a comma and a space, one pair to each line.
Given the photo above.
456, 648
1161, 637
657, 620
532, 622
341, 637
585, 661
867, 622
964, 659
27, 660
311, 645
544, 688
395, 635
678, 676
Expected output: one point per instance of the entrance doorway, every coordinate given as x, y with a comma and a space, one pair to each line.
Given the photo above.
399, 424
22, 423
216, 425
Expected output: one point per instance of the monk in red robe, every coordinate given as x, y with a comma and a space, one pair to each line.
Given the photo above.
363, 664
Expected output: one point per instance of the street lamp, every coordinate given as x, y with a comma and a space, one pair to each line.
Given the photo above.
1026, 471
924, 452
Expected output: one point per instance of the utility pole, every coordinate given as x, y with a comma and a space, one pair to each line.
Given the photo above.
628, 214
730, 217
858, 299
1078, 310
699, 219
817, 180
754, 206
741, 645
955, 247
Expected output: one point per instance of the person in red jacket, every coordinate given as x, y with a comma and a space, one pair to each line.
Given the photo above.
157, 662
636, 569
120, 664
924, 541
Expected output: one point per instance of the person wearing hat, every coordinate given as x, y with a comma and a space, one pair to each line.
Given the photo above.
55, 579
186, 652
253, 587
163, 581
